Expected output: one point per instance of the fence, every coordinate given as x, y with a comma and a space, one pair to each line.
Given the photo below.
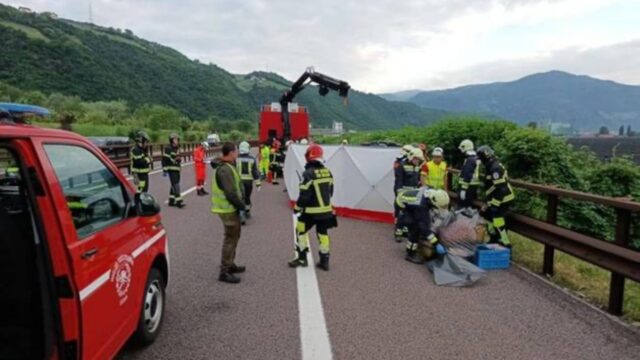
616, 257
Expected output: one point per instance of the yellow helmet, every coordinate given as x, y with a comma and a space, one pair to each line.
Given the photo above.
466, 145
439, 198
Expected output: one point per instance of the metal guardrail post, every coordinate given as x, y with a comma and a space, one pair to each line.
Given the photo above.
616, 288
549, 251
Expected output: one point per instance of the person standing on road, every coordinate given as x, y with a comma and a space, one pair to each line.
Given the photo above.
171, 160
199, 158
313, 208
416, 206
141, 162
498, 195
247, 167
265, 152
227, 202
434, 172
407, 176
469, 175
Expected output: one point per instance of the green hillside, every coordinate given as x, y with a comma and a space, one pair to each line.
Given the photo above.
97, 63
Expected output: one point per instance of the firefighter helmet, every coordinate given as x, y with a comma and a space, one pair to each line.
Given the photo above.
173, 136
244, 147
439, 198
485, 153
466, 145
141, 136
406, 150
416, 153
314, 152
205, 145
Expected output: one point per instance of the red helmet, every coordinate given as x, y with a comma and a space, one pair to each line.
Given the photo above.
314, 152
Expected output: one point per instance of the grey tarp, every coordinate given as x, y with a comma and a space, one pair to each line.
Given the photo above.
451, 270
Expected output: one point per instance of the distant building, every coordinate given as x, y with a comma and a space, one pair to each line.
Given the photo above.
25, 10
336, 129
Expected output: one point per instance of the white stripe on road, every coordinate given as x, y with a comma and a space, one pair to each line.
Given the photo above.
95, 285
314, 336
147, 244
130, 177
185, 193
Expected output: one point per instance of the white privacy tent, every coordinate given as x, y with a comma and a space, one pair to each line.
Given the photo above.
363, 179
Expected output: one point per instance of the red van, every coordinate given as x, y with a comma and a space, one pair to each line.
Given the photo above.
84, 260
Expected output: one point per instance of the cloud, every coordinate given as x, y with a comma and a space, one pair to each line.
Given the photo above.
377, 45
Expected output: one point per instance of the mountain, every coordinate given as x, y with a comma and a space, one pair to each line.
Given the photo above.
400, 95
96, 63
555, 96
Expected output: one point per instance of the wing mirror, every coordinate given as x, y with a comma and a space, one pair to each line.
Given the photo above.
146, 205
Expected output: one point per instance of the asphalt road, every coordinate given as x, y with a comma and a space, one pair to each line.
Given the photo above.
376, 305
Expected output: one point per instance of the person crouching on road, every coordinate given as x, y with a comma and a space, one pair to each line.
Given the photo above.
416, 208
199, 158
227, 201
313, 208
498, 195
171, 161
141, 162
247, 167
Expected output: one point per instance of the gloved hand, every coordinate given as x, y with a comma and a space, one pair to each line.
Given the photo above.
440, 250
136, 180
463, 195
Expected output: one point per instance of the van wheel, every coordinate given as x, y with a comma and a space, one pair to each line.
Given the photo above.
152, 312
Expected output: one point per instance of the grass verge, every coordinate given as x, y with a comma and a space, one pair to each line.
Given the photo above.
585, 280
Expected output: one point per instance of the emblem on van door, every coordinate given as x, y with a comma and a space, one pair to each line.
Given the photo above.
121, 276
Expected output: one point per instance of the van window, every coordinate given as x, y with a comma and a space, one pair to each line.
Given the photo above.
94, 195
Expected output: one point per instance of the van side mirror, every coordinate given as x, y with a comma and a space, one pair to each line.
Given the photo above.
146, 205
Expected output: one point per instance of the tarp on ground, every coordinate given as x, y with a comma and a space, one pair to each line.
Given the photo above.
452, 270
363, 178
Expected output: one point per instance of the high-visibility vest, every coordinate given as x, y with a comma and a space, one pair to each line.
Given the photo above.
436, 174
219, 202
244, 166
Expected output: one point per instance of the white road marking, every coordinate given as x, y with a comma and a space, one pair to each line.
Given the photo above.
314, 336
95, 285
130, 177
147, 244
185, 193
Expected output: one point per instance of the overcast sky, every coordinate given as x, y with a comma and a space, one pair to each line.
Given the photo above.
385, 45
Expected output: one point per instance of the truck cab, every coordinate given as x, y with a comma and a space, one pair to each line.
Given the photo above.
84, 260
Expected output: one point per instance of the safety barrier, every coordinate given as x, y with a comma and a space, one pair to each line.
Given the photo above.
120, 154
617, 257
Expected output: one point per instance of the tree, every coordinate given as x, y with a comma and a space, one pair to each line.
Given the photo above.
533, 125
603, 130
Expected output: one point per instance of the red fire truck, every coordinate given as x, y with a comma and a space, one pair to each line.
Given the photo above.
285, 120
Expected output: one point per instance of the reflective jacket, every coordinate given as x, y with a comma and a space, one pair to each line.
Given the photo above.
171, 158
316, 190
470, 172
264, 154
199, 156
140, 160
415, 209
498, 188
407, 176
247, 168
226, 190
436, 175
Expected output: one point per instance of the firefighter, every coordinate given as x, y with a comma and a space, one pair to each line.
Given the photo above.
141, 162
416, 207
171, 166
275, 164
407, 176
498, 195
434, 172
265, 152
199, 158
469, 175
313, 208
247, 167
397, 164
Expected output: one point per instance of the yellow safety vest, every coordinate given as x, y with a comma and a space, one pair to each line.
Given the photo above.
437, 174
220, 204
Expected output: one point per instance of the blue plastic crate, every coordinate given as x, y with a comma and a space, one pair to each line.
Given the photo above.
491, 257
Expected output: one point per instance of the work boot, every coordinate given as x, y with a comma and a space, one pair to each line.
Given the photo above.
237, 269
180, 204
172, 202
228, 278
324, 262
300, 260
414, 257
248, 214
204, 192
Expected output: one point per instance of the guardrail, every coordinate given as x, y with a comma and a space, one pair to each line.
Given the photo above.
616, 257
120, 154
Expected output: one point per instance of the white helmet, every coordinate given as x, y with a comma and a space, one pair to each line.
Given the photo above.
304, 142
416, 153
439, 198
244, 147
406, 150
466, 145
437, 152
205, 145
